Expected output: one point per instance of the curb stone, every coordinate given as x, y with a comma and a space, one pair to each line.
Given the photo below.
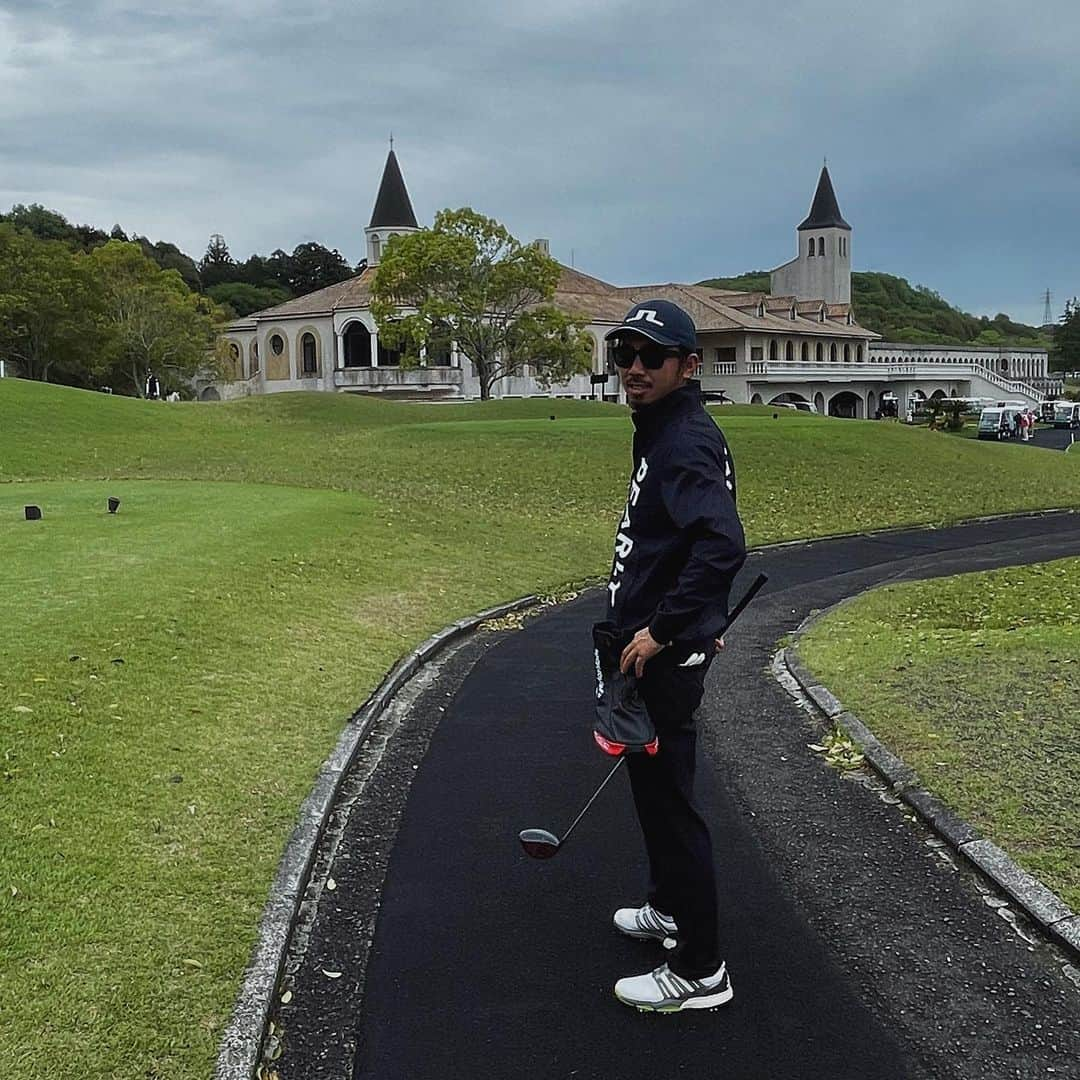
1041, 904
914, 527
241, 1048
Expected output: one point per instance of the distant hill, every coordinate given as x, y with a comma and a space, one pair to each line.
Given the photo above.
900, 311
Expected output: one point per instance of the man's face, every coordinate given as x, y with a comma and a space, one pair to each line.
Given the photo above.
645, 386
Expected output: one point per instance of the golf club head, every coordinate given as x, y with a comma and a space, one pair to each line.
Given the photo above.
539, 843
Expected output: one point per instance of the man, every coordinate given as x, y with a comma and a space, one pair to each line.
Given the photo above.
677, 550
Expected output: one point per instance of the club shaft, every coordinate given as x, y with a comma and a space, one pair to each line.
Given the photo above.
737, 610
614, 770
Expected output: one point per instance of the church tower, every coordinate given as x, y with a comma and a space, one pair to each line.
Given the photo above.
393, 213
822, 269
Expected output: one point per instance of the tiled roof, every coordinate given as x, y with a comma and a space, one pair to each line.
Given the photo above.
353, 292
600, 302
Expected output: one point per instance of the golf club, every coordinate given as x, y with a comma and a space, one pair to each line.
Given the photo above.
541, 844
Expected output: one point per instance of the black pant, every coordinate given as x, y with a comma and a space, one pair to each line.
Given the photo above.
682, 877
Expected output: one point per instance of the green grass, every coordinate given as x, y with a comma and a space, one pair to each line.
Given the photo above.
271, 559
974, 681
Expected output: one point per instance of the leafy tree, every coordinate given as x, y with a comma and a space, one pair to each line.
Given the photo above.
44, 224
217, 264
152, 321
89, 237
170, 257
1065, 355
242, 299
468, 273
311, 267
47, 306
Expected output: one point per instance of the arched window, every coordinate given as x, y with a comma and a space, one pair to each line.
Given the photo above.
805, 351
819, 352
821, 245
234, 351
772, 349
847, 354
438, 352
789, 351
388, 357
811, 247
307, 349
832, 352
277, 344
376, 244
357, 345
859, 354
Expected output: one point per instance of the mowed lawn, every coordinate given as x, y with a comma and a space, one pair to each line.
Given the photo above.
171, 677
975, 682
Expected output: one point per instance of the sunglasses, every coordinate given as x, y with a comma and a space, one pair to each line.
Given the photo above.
651, 354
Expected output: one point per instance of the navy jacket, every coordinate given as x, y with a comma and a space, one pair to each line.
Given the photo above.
679, 543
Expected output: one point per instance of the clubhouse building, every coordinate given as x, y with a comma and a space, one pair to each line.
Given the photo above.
798, 342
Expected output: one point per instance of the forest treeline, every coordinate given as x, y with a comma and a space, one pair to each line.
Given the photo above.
899, 311
86, 307
90, 308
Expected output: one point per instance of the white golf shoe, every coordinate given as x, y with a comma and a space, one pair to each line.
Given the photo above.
664, 991
647, 924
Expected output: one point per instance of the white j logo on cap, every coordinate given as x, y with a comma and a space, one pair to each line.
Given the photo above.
645, 315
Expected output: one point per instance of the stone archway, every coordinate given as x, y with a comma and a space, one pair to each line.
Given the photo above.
819, 402
209, 394
756, 400
871, 403
847, 405
357, 340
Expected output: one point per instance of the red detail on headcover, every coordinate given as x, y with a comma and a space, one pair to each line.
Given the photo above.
612, 748
617, 748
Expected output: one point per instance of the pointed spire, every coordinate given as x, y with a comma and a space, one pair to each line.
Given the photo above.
392, 205
825, 212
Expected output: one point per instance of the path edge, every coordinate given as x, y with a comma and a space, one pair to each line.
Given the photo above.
241, 1047
1042, 905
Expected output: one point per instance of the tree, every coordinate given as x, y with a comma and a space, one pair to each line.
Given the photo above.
217, 264
152, 321
170, 257
1065, 355
469, 274
47, 306
44, 224
311, 267
242, 299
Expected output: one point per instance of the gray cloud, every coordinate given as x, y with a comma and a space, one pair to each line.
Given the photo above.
656, 143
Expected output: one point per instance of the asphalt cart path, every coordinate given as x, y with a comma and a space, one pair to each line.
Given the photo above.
1051, 438
855, 949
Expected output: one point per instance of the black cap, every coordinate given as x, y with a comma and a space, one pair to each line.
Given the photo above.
660, 321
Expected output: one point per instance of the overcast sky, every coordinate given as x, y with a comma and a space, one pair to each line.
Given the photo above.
649, 142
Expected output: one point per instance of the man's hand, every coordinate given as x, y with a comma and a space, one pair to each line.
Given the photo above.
639, 652
719, 643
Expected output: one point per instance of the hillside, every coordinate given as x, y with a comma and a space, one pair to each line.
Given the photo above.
900, 311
